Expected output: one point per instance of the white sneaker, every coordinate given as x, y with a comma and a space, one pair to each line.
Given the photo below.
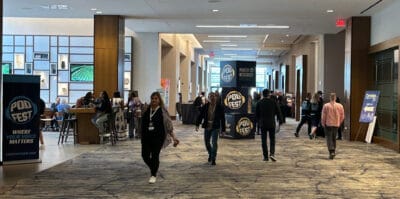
152, 179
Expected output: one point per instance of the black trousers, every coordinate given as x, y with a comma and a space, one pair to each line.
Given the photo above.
304, 120
271, 133
151, 148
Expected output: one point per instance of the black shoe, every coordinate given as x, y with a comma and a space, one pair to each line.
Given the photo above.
296, 134
265, 159
272, 158
213, 162
331, 156
209, 160
339, 138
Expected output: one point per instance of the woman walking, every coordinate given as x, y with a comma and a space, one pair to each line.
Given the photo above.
157, 132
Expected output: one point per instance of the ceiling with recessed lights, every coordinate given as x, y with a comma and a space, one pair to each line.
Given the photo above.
267, 28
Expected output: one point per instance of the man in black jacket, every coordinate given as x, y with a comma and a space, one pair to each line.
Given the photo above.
266, 110
213, 117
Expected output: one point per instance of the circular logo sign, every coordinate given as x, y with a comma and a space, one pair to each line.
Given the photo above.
21, 110
227, 73
244, 126
234, 100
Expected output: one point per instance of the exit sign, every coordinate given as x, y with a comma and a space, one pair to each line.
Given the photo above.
340, 23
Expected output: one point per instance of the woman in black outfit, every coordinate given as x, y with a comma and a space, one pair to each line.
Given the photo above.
157, 130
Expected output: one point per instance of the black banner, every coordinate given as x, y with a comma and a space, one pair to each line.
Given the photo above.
21, 95
246, 73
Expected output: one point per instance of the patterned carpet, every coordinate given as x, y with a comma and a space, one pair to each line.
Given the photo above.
302, 170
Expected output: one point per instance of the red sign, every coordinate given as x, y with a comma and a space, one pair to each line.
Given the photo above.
211, 54
340, 23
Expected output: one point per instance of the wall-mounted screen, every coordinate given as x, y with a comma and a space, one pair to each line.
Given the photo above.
6, 68
81, 72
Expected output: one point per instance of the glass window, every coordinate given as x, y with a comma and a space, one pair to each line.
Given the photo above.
386, 64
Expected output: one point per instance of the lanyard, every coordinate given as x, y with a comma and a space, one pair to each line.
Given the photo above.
153, 112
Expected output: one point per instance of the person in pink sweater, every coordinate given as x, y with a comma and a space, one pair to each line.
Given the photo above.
332, 117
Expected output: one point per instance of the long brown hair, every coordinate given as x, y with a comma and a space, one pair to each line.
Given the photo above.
159, 97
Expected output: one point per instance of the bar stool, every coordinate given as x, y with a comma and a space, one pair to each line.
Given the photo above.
68, 126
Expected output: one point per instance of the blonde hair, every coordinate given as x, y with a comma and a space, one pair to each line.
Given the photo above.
315, 98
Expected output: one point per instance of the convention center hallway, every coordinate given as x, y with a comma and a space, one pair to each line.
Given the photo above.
302, 170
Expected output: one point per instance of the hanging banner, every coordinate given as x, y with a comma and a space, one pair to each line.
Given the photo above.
369, 105
21, 96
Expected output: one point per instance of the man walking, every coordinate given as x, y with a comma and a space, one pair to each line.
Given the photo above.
214, 120
332, 117
266, 110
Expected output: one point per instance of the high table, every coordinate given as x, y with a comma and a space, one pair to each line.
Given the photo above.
189, 113
87, 131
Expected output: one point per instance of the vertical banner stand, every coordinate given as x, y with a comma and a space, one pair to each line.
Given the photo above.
370, 130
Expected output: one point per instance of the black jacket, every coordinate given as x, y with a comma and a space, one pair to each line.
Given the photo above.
266, 110
219, 117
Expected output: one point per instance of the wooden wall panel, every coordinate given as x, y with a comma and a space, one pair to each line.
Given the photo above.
358, 71
108, 53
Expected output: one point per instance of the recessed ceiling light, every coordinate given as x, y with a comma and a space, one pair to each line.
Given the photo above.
243, 26
233, 36
99, 12
216, 41
215, 10
329, 11
93, 9
287, 35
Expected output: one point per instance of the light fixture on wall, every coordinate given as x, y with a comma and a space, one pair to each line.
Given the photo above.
265, 38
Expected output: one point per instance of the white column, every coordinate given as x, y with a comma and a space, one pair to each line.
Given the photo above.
146, 73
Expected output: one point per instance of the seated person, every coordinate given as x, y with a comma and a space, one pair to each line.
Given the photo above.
103, 109
85, 101
62, 108
53, 108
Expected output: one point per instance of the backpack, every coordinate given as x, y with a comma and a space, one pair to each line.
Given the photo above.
305, 105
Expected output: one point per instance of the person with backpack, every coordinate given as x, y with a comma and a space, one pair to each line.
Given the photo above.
305, 115
315, 115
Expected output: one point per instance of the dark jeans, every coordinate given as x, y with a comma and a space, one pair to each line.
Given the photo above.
330, 134
54, 123
303, 121
271, 132
212, 147
151, 154
131, 126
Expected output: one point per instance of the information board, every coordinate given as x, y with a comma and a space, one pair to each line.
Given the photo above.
369, 105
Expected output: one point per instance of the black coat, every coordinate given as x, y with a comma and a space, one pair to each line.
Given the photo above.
219, 117
266, 110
